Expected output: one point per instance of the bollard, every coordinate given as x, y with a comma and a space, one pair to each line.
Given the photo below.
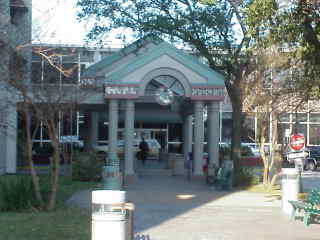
108, 215
290, 188
112, 178
130, 225
111, 174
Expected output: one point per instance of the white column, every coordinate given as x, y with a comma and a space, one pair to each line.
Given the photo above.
11, 140
213, 134
113, 128
198, 138
94, 128
187, 135
129, 138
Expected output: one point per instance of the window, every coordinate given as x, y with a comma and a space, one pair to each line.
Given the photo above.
315, 117
299, 117
282, 129
36, 71
51, 73
300, 128
314, 138
71, 75
226, 128
285, 117
248, 129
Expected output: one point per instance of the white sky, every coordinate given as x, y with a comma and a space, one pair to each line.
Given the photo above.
55, 21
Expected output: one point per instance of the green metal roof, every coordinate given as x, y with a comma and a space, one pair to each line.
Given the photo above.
161, 48
99, 66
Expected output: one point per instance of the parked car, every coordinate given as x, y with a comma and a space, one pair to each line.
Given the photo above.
75, 140
310, 158
154, 147
250, 154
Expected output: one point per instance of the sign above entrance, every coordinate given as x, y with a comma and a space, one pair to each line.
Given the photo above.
121, 91
207, 93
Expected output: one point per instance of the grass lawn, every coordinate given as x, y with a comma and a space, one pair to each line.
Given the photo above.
64, 223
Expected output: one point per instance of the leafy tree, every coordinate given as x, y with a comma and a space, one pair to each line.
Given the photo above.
293, 27
216, 30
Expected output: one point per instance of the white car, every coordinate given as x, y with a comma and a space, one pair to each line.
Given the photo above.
154, 147
72, 139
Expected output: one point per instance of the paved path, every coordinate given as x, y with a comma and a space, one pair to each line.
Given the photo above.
171, 208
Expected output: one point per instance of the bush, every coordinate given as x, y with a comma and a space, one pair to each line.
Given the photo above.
16, 193
245, 177
46, 149
87, 166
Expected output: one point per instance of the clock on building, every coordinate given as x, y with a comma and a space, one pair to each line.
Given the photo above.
165, 88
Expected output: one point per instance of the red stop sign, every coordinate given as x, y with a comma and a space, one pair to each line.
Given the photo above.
297, 142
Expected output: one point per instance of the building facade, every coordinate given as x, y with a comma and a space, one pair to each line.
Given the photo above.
19, 33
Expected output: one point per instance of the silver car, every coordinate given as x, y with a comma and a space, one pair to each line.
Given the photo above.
154, 147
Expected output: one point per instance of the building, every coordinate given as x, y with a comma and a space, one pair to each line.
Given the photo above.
135, 80
165, 123
19, 12
148, 88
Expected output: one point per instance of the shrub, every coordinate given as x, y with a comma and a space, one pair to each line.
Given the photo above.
245, 177
46, 149
87, 166
16, 193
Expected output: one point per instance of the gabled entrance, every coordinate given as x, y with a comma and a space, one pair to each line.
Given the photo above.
153, 82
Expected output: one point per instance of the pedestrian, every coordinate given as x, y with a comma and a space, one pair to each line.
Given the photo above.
144, 150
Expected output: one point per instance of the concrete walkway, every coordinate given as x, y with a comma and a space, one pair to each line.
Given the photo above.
171, 208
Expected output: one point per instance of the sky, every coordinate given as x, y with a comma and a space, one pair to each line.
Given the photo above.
55, 22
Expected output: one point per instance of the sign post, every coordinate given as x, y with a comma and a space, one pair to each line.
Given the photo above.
297, 143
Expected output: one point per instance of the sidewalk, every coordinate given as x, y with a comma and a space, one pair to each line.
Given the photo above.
171, 208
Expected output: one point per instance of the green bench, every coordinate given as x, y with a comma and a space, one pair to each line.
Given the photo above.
311, 207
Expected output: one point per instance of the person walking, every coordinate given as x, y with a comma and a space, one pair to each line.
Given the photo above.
144, 150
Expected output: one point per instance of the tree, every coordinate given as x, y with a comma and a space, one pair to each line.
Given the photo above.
293, 31
216, 30
295, 28
43, 101
265, 96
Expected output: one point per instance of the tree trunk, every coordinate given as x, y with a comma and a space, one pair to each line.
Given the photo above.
87, 136
236, 127
262, 140
274, 141
236, 135
265, 160
55, 164
34, 176
234, 92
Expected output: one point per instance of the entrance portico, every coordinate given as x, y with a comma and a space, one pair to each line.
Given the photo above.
153, 81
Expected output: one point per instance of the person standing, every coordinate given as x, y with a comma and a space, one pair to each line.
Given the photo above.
144, 150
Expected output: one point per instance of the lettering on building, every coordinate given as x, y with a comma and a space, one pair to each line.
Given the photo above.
121, 91
208, 92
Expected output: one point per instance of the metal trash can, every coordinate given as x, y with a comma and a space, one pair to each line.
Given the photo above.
290, 188
108, 215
